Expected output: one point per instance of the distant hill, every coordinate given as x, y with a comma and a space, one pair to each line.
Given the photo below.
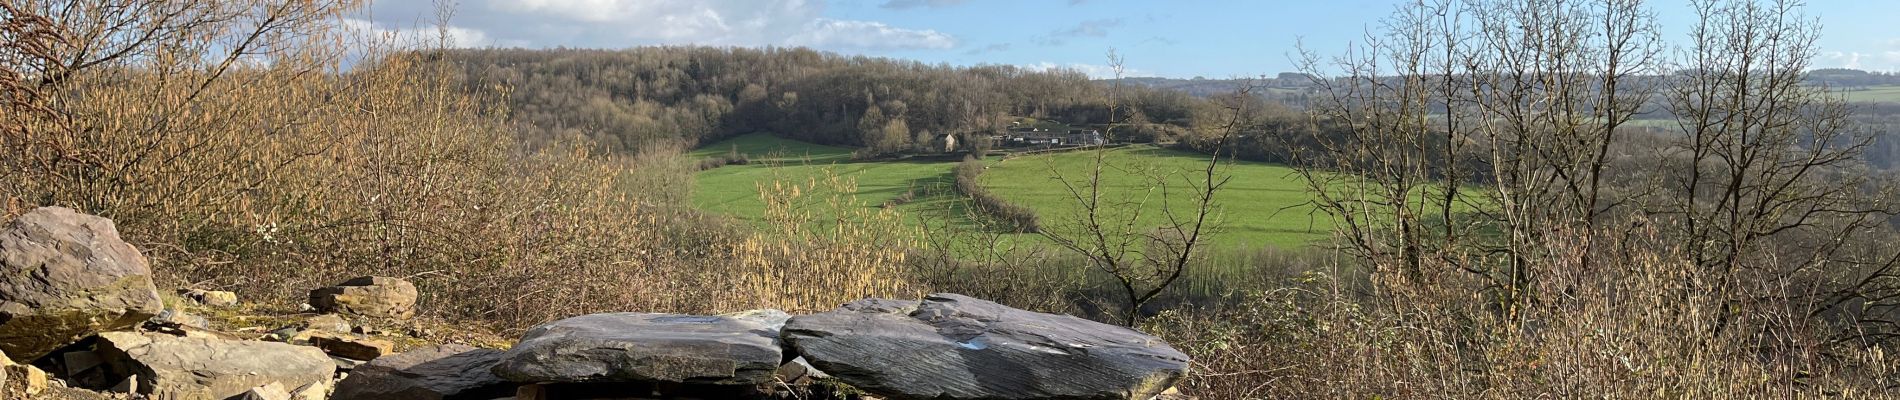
1291, 84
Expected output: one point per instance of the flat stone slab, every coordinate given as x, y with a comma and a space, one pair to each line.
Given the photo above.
952, 346
446, 372
644, 347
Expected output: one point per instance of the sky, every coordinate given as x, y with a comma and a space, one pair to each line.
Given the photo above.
1167, 38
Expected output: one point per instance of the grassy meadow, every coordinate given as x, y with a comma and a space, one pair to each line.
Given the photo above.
1263, 205
734, 190
1874, 94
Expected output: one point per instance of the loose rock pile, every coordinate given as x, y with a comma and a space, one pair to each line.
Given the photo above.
72, 295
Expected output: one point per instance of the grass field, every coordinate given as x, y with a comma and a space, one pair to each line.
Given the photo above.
764, 147
1262, 205
1887, 94
734, 190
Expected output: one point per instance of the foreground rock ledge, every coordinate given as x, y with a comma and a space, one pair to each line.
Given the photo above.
170, 367
446, 372
65, 276
952, 346
643, 347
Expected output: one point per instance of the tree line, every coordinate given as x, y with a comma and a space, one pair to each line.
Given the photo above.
626, 100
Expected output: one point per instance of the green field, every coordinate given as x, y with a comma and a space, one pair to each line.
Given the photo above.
1263, 204
734, 190
764, 147
1886, 94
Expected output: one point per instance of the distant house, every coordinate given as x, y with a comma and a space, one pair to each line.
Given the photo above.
947, 142
1022, 136
1086, 137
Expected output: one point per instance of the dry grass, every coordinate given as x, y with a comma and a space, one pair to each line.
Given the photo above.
1650, 327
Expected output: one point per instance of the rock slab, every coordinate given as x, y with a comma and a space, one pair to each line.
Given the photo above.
351, 346
170, 367
643, 347
446, 372
65, 276
372, 296
952, 346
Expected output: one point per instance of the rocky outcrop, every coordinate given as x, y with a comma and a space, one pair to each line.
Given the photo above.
170, 367
371, 296
65, 276
642, 347
447, 372
955, 347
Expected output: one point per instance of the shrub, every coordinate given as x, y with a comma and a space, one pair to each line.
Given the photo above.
1018, 218
730, 158
1643, 327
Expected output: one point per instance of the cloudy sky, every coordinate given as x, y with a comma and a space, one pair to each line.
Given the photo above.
1172, 38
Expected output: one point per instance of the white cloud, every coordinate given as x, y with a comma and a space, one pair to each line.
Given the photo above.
628, 23
907, 4
867, 35
1091, 28
1092, 70
423, 36
1885, 57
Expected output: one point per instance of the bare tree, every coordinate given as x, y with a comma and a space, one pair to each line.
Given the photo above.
1469, 131
1109, 232
1767, 175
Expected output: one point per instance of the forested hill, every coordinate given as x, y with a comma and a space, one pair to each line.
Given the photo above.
1846, 79
627, 99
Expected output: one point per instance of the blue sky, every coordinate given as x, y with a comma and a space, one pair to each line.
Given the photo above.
1173, 38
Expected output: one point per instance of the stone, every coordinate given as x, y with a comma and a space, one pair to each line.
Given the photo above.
327, 323
952, 346
65, 276
311, 391
276, 391
771, 319
24, 379
531, 392
190, 332
76, 362
172, 318
372, 296
645, 347
347, 364
269, 391
348, 346
214, 298
170, 367
445, 372
129, 385
302, 331
799, 371
1173, 394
